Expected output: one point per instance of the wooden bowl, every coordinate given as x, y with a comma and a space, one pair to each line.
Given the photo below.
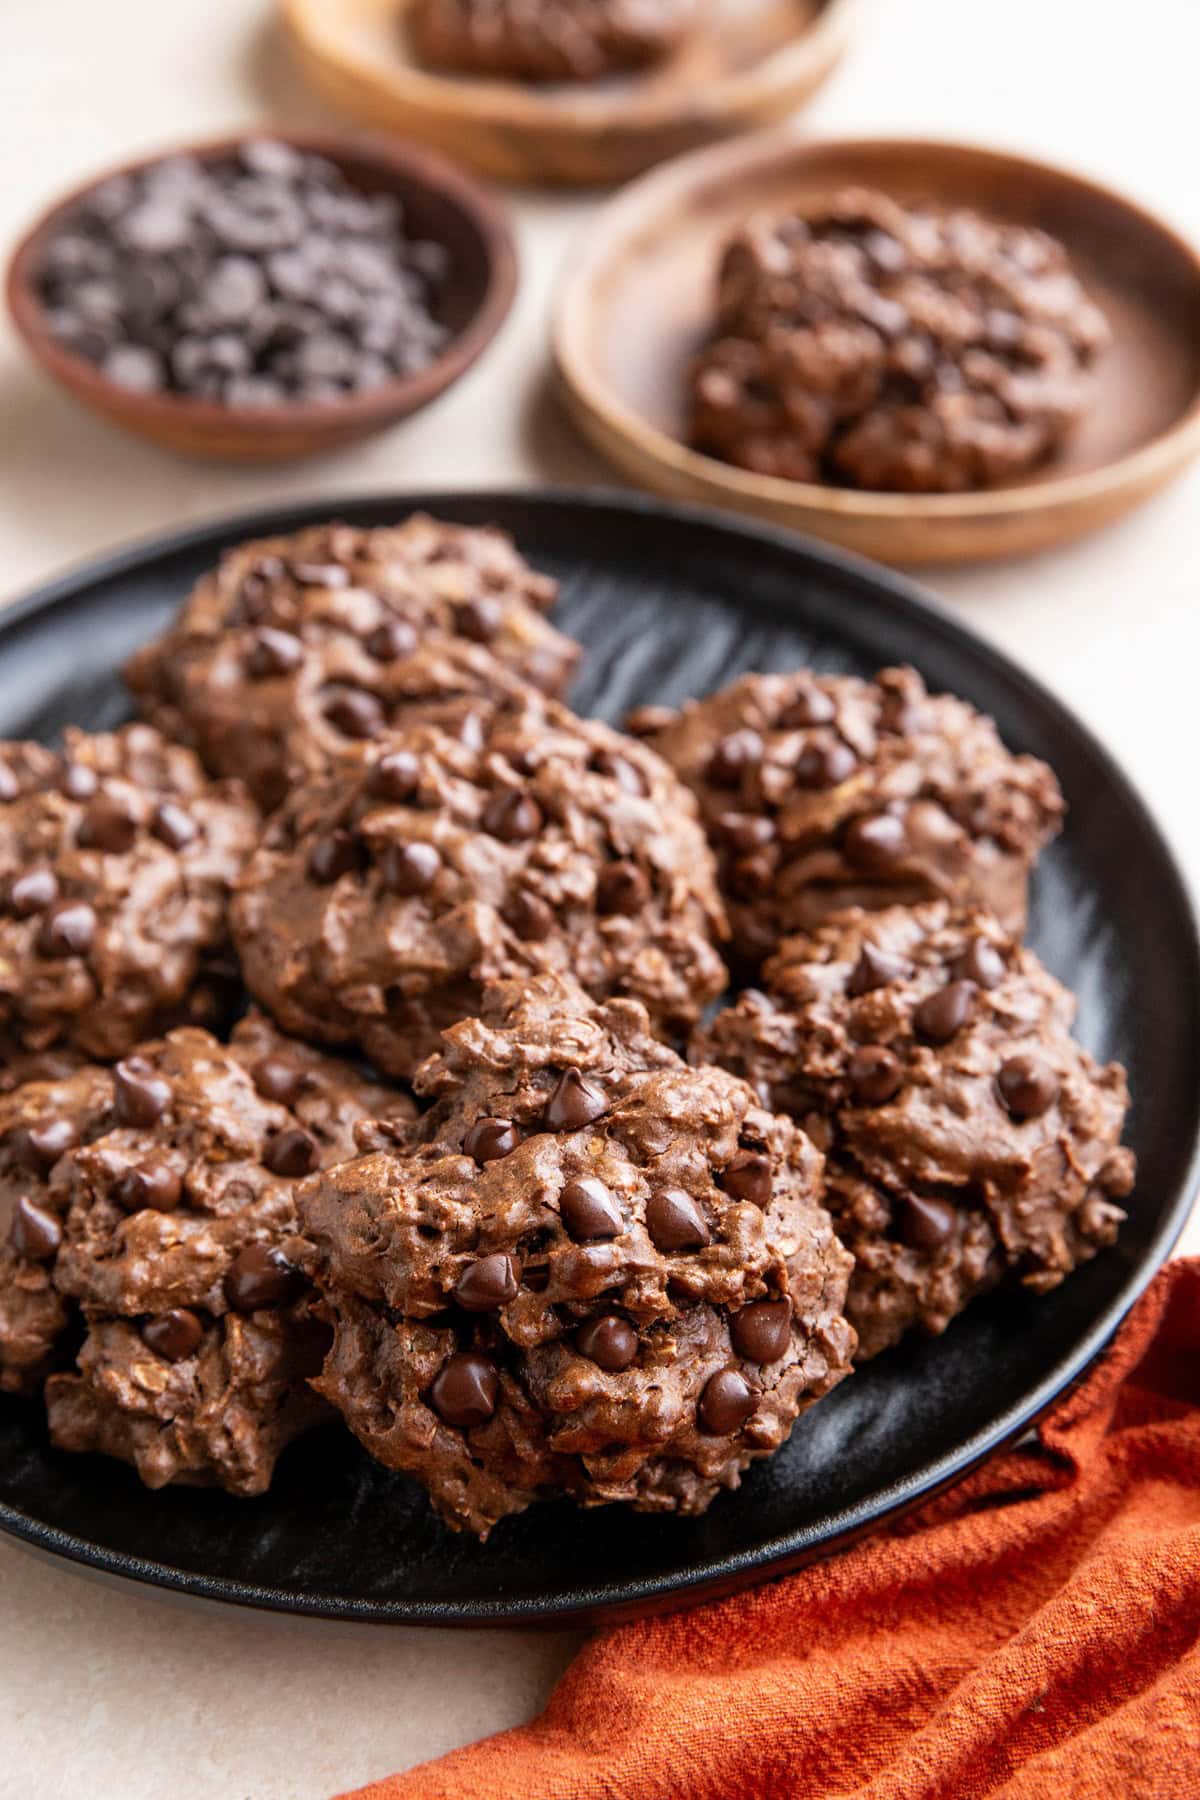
439, 201
637, 302
752, 63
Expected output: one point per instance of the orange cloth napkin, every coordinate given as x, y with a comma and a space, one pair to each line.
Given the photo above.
1034, 1633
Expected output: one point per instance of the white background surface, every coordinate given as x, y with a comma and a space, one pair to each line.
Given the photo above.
118, 1692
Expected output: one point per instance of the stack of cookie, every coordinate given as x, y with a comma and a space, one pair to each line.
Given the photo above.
477, 1169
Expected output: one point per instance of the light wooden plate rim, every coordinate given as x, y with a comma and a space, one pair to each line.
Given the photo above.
583, 387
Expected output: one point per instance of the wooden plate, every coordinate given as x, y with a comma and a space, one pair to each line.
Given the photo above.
637, 302
752, 63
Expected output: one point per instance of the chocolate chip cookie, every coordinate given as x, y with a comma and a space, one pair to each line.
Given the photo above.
547, 40
295, 648
821, 792
386, 894
968, 1137
599, 1274
915, 349
116, 860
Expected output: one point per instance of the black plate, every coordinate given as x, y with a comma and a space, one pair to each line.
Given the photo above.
669, 602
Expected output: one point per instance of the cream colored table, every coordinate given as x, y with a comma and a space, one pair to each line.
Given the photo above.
116, 1692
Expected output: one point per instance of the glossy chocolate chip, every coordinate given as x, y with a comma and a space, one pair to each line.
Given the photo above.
261, 1276
392, 641
810, 707
574, 1103
675, 1222
744, 832
153, 1184
1027, 1087
273, 653
479, 619
876, 968
726, 1403
734, 754
749, 875
409, 869
108, 825
876, 1074
173, 1335
530, 917
981, 963
173, 827
334, 856
32, 892
825, 765
621, 887
78, 782
395, 777
291, 1152
762, 1332
924, 1222
944, 1013
512, 815
140, 1095
589, 1212
1118, 1173
34, 1232
611, 1343
466, 1390
875, 843
488, 1139
627, 775
747, 1176
38, 1147
356, 714
282, 1081
487, 1284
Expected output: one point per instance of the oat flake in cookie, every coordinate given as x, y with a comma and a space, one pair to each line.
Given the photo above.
296, 647
173, 1195
602, 1274
968, 1137
387, 894
907, 349
822, 792
547, 40
116, 861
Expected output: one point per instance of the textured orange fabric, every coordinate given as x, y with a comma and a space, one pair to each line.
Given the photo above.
1031, 1634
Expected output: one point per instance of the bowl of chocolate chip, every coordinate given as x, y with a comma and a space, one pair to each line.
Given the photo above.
261, 298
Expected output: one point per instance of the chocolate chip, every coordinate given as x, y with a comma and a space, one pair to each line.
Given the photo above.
1118, 1173
924, 1222
530, 917
589, 1212
173, 1335
173, 827
876, 1074
744, 832
479, 619
488, 1139
409, 869
875, 842
108, 825
811, 706
32, 892
940, 1015
981, 963
574, 1103
392, 641
356, 714
627, 775
273, 653
140, 1095
291, 1152
152, 1184
876, 968
512, 815
609, 1342
38, 1147
394, 777
488, 1284
749, 875
726, 1403
466, 1390
334, 856
34, 1232
733, 755
1026, 1086
825, 765
79, 782
282, 1081
747, 1176
675, 1222
762, 1332
68, 929
621, 887
261, 1276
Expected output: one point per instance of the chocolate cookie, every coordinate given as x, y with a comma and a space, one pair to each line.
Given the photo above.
603, 1274
821, 792
295, 648
547, 40
968, 1137
913, 349
387, 893
116, 860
